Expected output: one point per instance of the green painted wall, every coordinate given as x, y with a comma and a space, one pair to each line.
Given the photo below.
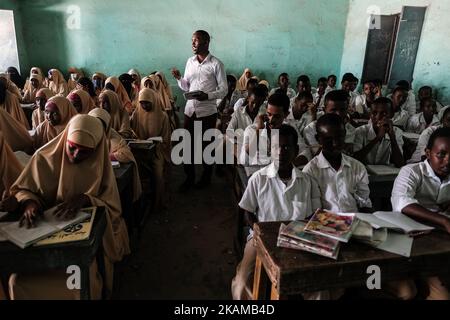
271, 36
23, 57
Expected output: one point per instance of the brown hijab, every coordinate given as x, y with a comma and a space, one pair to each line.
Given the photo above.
58, 84
38, 115
121, 92
120, 120
10, 167
15, 134
13, 107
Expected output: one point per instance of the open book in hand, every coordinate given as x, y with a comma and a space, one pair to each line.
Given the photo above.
46, 225
192, 94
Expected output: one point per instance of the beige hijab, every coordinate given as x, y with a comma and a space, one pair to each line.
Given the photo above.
86, 101
38, 115
10, 167
30, 92
13, 107
10, 86
46, 131
50, 179
15, 133
121, 92
120, 120
159, 88
242, 82
166, 85
119, 148
71, 84
58, 84
152, 124
39, 72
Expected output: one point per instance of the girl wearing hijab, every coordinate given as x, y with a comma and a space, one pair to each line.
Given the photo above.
36, 70
58, 112
86, 84
10, 86
114, 84
136, 83
73, 171
118, 149
15, 133
38, 115
10, 169
148, 121
10, 102
81, 100
15, 77
242, 82
57, 83
98, 79
120, 120
75, 75
30, 93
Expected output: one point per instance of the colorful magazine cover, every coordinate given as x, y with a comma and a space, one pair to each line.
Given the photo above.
337, 226
295, 230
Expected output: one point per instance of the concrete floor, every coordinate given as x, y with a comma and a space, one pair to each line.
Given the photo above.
186, 253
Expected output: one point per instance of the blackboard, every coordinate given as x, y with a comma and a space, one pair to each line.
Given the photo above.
407, 44
379, 48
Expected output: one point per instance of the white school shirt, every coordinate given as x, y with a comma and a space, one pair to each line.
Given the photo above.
262, 155
410, 104
344, 190
241, 119
361, 104
290, 92
321, 105
381, 152
209, 77
441, 113
400, 118
271, 200
235, 96
417, 123
418, 184
422, 144
310, 132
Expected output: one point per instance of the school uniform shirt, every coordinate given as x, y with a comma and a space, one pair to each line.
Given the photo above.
410, 104
400, 118
417, 123
241, 119
418, 184
209, 77
422, 144
235, 96
361, 104
290, 92
300, 125
316, 97
240, 102
381, 152
441, 113
272, 200
344, 190
310, 132
261, 145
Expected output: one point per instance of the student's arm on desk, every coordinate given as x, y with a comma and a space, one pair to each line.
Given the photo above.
416, 211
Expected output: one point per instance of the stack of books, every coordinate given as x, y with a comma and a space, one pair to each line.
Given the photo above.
322, 235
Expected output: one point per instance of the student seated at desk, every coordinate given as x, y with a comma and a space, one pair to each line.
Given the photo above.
331, 83
118, 149
336, 101
15, 133
38, 115
425, 119
342, 180
57, 83
114, 84
74, 172
363, 102
10, 169
278, 192
251, 86
81, 100
255, 149
232, 96
426, 92
283, 84
84, 83
120, 120
241, 85
29, 95
11, 104
419, 154
58, 112
148, 121
400, 116
379, 142
409, 105
319, 95
302, 112
10, 86
422, 191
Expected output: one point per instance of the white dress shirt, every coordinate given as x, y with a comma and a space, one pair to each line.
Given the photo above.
417, 123
418, 184
241, 119
441, 112
410, 104
271, 200
361, 104
209, 77
235, 96
344, 190
381, 152
290, 92
400, 118
310, 132
422, 144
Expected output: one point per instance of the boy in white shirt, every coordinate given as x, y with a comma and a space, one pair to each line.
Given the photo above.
348, 84
302, 111
319, 95
278, 192
251, 85
336, 101
283, 84
410, 104
425, 119
342, 180
379, 142
427, 92
400, 116
363, 102
331, 83
419, 154
303, 84
422, 191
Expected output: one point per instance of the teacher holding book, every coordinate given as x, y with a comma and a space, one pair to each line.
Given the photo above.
205, 81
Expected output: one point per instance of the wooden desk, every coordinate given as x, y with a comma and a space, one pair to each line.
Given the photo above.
292, 272
80, 253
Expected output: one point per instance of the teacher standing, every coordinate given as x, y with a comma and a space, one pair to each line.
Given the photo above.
204, 73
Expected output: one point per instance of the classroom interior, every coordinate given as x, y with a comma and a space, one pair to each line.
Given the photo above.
188, 241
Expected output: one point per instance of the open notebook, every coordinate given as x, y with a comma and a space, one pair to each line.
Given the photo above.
46, 226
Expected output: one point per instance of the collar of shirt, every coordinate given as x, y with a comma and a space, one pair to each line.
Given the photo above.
372, 135
323, 163
272, 172
429, 172
195, 60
